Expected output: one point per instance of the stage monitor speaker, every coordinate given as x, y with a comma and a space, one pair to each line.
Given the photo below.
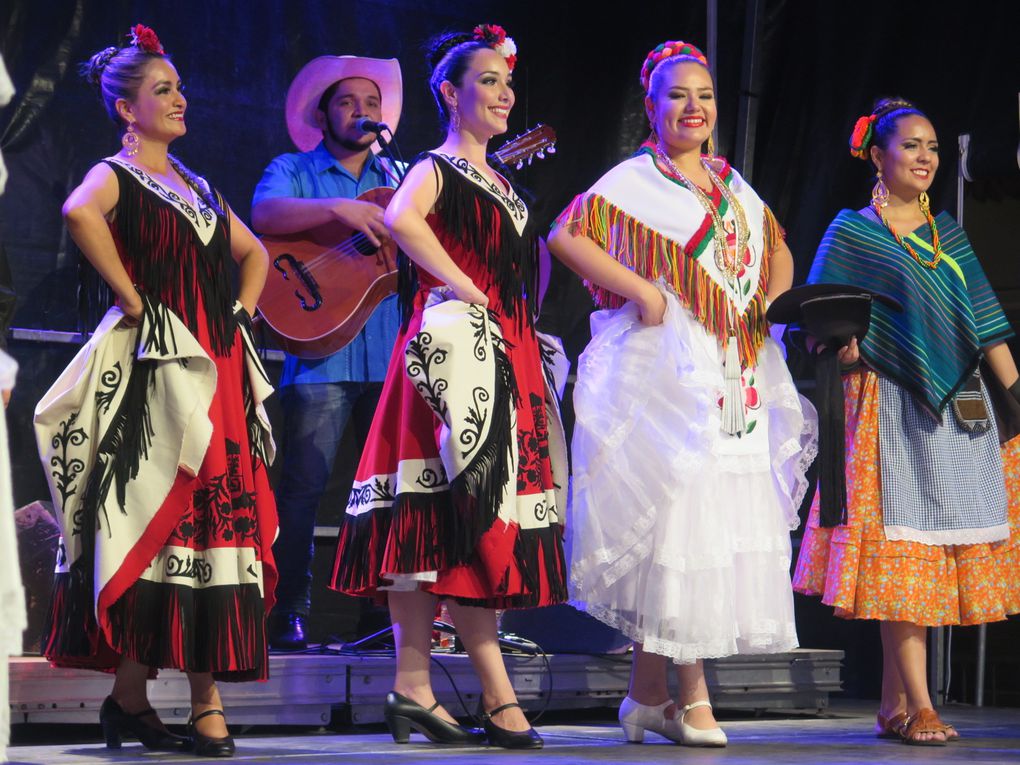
563, 629
38, 536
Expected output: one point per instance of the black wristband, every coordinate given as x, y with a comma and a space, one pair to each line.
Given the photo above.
1015, 389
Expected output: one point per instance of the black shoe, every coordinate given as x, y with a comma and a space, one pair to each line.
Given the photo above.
207, 746
510, 739
116, 721
287, 632
402, 714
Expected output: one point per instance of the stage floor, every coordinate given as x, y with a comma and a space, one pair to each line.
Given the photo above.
842, 736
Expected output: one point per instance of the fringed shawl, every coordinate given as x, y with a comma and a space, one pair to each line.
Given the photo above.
950, 312
652, 224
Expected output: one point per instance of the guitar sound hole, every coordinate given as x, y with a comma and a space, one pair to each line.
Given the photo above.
363, 245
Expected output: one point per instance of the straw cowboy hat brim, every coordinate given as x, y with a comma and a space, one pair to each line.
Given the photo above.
318, 74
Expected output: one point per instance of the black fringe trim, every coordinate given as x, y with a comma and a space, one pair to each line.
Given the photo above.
70, 630
479, 489
118, 458
123, 448
438, 530
216, 629
256, 441
469, 215
423, 524
160, 337
151, 235
220, 629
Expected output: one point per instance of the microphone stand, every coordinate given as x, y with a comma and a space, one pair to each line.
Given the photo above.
393, 154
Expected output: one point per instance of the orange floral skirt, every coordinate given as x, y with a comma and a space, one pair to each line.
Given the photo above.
862, 575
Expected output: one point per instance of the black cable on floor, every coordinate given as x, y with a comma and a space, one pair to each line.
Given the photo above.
508, 643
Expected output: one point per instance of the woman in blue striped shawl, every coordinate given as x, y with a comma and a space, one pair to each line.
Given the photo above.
930, 536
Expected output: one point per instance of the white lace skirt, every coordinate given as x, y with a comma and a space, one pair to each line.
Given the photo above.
680, 533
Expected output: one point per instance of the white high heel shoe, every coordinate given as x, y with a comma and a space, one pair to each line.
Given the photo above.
691, 736
636, 718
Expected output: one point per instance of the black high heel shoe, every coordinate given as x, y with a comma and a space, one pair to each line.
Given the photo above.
116, 722
208, 746
510, 739
402, 714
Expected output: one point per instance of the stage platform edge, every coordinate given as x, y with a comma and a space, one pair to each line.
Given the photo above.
320, 689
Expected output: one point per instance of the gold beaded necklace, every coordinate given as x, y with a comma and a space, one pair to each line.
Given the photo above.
936, 245
728, 266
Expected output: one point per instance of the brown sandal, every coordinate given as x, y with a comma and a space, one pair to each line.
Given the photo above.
888, 727
946, 727
925, 721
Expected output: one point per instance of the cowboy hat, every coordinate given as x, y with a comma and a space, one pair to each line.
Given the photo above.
318, 74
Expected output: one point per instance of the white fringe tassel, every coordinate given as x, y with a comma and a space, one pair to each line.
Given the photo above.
733, 393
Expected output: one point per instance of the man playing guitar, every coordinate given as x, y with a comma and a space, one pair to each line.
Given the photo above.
298, 192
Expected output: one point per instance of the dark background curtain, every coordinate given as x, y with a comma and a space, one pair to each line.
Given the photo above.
822, 64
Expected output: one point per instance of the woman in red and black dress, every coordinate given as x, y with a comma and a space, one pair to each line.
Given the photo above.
154, 438
455, 496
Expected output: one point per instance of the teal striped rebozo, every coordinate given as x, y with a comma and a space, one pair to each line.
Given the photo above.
949, 312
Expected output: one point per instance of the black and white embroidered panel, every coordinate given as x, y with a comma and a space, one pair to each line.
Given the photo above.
507, 198
199, 214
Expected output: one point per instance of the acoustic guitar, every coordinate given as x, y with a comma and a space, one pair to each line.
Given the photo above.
324, 283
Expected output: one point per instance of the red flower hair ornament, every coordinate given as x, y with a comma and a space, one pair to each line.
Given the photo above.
496, 38
144, 38
861, 137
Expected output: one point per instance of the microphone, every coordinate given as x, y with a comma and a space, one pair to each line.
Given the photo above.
365, 125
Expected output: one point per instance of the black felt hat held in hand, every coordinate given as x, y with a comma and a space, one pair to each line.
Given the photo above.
832, 314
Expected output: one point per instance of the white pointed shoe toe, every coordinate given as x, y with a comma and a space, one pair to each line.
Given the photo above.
691, 736
636, 718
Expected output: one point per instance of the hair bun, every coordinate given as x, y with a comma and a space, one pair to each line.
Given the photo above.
442, 44
92, 70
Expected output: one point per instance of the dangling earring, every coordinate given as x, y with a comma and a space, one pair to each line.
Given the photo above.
711, 146
454, 118
130, 140
924, 203
879, 194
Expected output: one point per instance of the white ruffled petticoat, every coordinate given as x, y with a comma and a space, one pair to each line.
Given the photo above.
680, 532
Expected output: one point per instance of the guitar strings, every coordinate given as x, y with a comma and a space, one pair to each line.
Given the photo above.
350, 247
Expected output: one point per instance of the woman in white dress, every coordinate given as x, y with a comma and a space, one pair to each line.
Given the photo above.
691, 441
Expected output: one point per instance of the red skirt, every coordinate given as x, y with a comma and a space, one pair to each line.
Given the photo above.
193, 593
407, 520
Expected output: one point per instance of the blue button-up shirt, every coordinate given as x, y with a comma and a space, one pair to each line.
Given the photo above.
316, 174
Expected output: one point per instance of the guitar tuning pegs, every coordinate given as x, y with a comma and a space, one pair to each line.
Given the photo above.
520, 164
530, 159
541, 154
551, 149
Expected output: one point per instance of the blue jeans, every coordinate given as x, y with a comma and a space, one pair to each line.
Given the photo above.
314, 418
